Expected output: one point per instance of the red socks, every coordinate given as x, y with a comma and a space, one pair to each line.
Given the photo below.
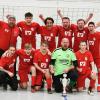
49, 83
33, 78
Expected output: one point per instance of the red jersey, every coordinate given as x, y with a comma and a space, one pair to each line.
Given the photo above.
28, 33
8, 63
49, 35
80, 35
84, 60
25, 60
66, 33
94, 44
8, 35
42, 60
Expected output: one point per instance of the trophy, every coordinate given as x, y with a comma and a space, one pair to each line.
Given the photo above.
65, 82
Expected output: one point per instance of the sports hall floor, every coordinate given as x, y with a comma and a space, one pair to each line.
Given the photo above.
43, 95
27, 95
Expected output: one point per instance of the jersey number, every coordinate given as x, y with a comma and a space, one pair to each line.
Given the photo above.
43, 65
28, 33
82, 63
47, 38
80, 35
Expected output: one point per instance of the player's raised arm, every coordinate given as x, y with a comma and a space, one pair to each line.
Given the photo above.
88, 18
41, 17
60, 14
97, 25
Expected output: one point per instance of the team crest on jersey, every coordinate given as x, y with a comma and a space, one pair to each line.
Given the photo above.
46, 60
94, 38
84, 32
30, 56
67, 55
32, 29
86, 58
13, 60
6, 30
51, 34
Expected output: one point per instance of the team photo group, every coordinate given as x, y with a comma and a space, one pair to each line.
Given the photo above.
62, 64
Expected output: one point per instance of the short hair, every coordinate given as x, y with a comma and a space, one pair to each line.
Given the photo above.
48, 18
83, 42
28, 14
81, 20
91, 23
11, 16
66, 18
28, 46
44, 42
11, 45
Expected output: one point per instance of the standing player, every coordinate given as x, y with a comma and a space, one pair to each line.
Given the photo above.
65, 31
94, 47
80, 32
8, 33
85, 68
28, 30
26, 65
41, 62
7, 70
49, 32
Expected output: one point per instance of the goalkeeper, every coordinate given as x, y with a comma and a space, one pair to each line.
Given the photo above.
63, 60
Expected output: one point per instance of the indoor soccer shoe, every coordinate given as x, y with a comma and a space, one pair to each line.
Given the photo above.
90, 92
32, 90
49, 91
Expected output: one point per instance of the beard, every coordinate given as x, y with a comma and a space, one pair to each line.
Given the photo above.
65, 47
11, 24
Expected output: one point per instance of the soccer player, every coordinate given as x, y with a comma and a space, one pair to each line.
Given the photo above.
26, 65
41, 62
94, 47
80, 32
49, 32
85, 68
28, 30
65, 31
63, 60
8, 33
7, 70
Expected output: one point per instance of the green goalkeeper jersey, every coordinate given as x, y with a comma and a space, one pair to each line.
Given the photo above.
63, 59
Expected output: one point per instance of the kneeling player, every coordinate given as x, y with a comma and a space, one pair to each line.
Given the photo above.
85, 60
41, 62
7, 75
26, 65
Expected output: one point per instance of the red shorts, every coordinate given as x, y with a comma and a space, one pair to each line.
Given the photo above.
82, 77
97, 62
23, 74
39, 77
